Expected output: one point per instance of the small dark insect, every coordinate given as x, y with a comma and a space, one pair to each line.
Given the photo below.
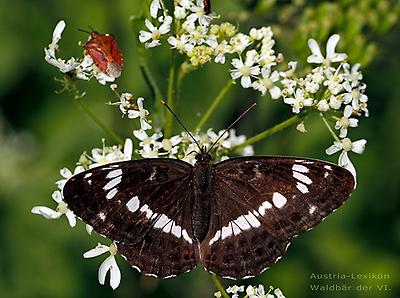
207, 6
105, 53
235, 217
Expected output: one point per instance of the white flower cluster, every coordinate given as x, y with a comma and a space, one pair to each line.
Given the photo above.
252, 292
336, 90
203, 41
83, 68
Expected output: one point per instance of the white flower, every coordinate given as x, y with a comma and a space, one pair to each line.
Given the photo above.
109, 264
150, 144
345, 122
198, 14
155, 33
323, 105
353, 75
240, 42
50, 52
171, 145
220, 49
335, 102
298, 101
331, 56
154, 7
347, 145
182, 43
66, 174
61, 209
267, 83
141, 113
112, 154
235, 290
354, 96
278, 293
245, 70
334, 82
180, 12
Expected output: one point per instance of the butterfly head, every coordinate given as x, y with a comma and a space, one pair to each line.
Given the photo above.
203, 157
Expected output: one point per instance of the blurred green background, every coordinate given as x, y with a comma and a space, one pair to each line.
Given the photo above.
41, 132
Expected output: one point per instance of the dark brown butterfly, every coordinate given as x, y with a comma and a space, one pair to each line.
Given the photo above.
235, 217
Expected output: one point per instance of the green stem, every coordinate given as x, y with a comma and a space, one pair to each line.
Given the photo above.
170, 97
219, 286
215, 103
269, 132
329, 127
99, 122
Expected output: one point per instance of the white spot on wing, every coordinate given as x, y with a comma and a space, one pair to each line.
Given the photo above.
112, 183
111, 193
226, 231
300, 168
242, 223
302, 178
279, 200
165, 223
102, 216
328, 167
161, 221
215, 238
252, 220
326, 174
302, 187
133, 204
88, 175
266, 205
312, 209
114, 174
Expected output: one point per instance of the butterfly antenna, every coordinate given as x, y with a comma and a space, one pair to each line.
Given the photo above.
180, 122
230, 126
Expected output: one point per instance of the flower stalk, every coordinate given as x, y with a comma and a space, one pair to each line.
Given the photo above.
219, 286
170, 96
215, 103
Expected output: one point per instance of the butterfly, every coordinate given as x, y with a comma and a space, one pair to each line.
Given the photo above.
105, 53
235, 217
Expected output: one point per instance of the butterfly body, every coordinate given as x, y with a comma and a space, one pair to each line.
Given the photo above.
236, 217
105, 53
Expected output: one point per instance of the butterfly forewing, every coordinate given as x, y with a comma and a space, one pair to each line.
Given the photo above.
261, 203
145, 207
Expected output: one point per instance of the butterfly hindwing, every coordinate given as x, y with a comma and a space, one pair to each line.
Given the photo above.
144, 206
263, 202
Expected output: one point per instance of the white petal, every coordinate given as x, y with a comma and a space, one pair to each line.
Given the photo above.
46, 212
57, 196
58, 31
128, 148
98, 250
115, 274
359, 146
132, 114
66, 173
71, 218
331, 45
345, 162
149, 25
245, 81
144, 36
275, 92
140, 134
348, 110
316, 56
103, 269
237, 63
332, 150
89, 229
353, 122
154, 7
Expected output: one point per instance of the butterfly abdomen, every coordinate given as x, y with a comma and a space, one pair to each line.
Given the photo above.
202, 180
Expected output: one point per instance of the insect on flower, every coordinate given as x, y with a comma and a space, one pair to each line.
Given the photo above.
207, 6
104, 51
